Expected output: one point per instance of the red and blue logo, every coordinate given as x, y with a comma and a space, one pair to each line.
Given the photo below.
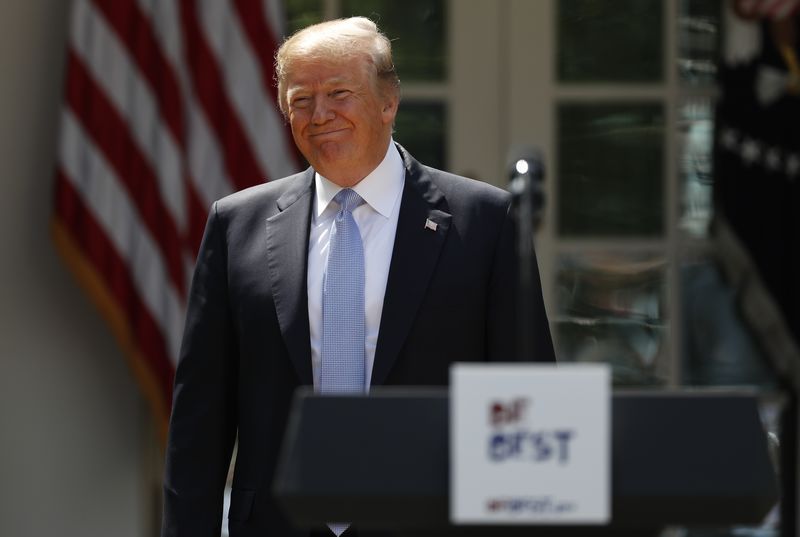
513, 439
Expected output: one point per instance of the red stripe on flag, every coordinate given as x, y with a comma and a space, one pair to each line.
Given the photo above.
240, 161
136, 33
112, 268
111, 135
264, 46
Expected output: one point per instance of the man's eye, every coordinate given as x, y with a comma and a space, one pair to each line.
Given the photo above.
300, 102
340, 93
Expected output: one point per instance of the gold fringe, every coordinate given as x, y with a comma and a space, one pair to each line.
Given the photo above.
91, 281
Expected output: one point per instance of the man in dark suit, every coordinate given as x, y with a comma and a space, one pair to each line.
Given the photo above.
438, 282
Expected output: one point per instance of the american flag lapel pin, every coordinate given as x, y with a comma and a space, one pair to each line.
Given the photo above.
430, 224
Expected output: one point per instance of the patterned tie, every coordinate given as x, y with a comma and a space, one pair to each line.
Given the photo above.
343, 309
343, 329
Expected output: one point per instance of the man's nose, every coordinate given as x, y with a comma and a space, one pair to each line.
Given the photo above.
322, 112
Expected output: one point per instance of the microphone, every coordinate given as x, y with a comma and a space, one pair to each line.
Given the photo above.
525, 168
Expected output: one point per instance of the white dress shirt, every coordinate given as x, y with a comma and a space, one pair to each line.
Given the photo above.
377, 222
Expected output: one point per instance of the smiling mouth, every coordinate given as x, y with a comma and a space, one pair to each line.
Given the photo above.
326, 132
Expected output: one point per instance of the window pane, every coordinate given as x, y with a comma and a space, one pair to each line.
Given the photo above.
302, 13
698, 41
420, 127
602, 41
610, 166
611, 309
418, 32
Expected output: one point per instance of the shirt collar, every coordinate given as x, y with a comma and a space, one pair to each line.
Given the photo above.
380, 189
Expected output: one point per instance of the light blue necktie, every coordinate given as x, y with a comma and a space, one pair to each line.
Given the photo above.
343, 331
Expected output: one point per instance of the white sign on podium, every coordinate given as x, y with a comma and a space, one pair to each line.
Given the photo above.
530, 444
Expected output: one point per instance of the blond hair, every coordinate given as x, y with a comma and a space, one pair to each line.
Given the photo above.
340, 38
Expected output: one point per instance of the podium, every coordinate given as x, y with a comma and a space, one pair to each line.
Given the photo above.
382, 462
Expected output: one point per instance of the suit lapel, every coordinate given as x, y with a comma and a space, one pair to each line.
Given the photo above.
287, 260
416, 250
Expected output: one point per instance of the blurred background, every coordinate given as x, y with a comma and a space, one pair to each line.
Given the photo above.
667, 236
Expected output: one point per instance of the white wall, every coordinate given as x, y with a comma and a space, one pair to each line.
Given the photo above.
72, 422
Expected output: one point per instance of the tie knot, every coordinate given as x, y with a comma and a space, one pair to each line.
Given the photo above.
348, 199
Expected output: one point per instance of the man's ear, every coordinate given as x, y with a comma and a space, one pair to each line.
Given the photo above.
389, 110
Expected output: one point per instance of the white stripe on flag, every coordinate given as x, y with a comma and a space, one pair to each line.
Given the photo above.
276, 18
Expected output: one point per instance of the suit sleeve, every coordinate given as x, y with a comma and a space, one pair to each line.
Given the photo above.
505, 302
202, 426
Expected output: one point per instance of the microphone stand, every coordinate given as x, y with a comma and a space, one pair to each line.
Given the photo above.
525, 185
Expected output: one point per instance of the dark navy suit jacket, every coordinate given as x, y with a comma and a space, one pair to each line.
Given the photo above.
450, 296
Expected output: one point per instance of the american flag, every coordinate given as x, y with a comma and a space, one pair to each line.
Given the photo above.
168, 106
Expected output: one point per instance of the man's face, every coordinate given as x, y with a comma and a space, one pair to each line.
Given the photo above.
340, 122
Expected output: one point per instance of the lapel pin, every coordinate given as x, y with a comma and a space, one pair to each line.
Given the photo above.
430, 224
